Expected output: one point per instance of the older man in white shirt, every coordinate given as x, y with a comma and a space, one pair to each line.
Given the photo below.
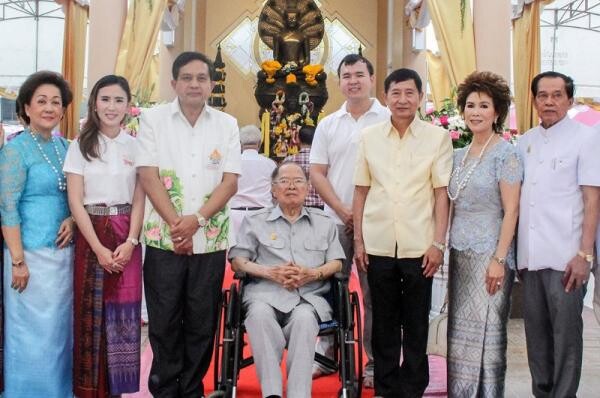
254, 185
558, 219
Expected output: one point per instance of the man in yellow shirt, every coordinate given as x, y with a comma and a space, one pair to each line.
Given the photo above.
400, 209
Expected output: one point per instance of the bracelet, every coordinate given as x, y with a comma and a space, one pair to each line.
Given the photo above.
18, 263
440, 246
319, 275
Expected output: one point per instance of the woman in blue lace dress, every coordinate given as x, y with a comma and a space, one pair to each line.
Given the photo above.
484, 189
38, 257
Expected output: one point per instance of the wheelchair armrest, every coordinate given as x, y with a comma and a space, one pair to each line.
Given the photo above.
240, 275
339, 276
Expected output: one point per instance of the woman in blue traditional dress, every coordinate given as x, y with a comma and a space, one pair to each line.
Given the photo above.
108, 205
1, 295
484, 189
38, 255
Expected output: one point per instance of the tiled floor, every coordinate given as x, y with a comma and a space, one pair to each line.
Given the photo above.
518, 380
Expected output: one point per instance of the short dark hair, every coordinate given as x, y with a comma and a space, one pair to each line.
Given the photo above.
402, 75
33, 82
351, 59
188, 56
491, 84
275, 172
569, 83
306, 134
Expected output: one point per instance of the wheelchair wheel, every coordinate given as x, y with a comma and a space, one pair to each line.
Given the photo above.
350, 336
358, 369
353, 349
224, 377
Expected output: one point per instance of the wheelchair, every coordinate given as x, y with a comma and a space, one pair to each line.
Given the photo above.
346, 328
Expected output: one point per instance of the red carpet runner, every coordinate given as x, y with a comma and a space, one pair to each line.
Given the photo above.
325, 387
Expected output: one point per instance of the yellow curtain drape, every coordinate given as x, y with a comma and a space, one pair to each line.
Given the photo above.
439, 83
457, 45
73, 63
526, 62
135, 59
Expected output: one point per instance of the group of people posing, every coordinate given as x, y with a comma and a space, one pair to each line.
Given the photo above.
391, 186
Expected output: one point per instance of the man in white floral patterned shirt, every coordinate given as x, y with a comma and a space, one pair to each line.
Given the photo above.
188, 162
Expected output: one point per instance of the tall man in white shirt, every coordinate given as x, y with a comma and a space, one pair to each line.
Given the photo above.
254, 184
559, 209
188, 162
332, 159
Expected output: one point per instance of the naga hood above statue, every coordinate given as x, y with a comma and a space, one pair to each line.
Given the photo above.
292, 29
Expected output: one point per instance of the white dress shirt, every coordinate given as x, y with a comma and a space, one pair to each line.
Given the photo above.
110, 179
558, 161
254, 185
191, 162
335, 145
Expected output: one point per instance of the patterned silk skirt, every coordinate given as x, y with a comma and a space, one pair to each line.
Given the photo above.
107, 316
38, 326
476, 328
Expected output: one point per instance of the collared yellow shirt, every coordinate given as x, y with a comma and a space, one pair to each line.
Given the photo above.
402, 174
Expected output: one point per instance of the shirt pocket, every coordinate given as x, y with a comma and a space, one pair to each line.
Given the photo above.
316, 251
564, 170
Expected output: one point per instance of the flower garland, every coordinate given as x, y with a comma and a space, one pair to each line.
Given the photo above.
449, 118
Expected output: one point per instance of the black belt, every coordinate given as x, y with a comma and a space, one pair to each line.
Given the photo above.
247, 208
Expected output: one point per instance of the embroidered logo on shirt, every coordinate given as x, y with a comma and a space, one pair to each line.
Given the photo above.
214, 159
273, 236
127, 162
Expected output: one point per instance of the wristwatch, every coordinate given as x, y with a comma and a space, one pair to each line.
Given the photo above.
440, 246
201, 220
133, 241
587, 257
499, 260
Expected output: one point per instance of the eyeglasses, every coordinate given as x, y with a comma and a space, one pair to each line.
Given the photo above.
290, 181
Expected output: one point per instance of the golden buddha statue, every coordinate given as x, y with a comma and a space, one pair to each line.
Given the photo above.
292, 29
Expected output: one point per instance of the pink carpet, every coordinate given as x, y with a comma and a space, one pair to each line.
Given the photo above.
325, 387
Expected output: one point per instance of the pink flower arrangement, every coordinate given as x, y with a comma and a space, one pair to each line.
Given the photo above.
168, 182
449, 119
444, 120
134, 111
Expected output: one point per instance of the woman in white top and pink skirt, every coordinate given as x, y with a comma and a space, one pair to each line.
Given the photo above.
107, 204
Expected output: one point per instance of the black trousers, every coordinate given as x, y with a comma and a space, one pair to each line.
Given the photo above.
182, 294
401, 298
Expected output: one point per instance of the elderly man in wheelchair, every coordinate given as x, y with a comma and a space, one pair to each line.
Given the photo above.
288, 251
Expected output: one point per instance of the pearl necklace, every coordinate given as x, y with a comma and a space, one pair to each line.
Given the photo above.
460, 185
62, 181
